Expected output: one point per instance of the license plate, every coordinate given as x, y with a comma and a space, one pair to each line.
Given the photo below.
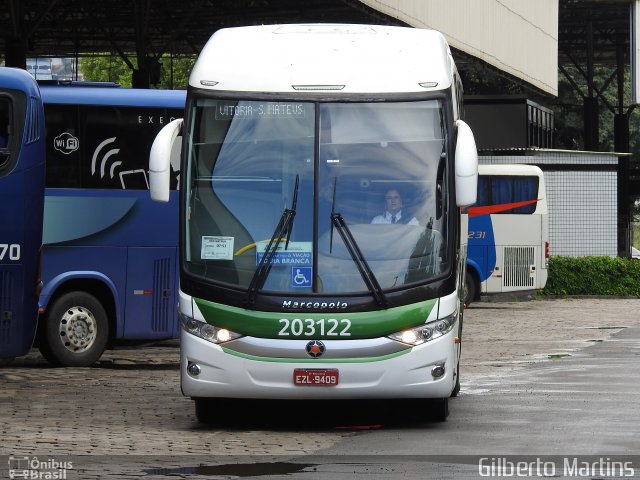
327, 377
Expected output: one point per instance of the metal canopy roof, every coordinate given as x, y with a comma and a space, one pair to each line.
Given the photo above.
597, 26
65, 28
150, 28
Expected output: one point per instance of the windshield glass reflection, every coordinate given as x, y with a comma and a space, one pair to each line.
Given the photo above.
380, 166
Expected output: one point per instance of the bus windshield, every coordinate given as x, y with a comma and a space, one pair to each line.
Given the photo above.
363, 186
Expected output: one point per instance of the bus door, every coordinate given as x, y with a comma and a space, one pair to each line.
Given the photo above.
151, 293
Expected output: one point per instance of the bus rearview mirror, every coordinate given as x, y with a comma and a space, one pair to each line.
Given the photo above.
466, 166
160, 160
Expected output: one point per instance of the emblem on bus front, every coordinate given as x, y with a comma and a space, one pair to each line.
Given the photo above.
315, 348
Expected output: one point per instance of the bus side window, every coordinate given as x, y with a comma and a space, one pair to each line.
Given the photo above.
4, 127
484, 183
65, 146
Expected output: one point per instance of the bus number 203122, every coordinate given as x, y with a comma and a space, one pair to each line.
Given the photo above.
310, 327
10, 251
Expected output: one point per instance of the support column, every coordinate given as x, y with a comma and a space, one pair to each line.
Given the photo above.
15, 54
140, 76
622, 145
15, 44
591, 108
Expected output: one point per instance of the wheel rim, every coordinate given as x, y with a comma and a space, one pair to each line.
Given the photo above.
78, 329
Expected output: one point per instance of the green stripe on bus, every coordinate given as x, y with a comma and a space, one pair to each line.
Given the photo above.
316, 360
328, 325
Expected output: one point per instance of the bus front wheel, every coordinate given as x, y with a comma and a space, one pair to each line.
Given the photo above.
75, 331
207, 411
456, 388
439, 409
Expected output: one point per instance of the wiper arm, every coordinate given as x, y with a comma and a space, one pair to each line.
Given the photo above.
333, 211
284, 227
294, 204
363, 267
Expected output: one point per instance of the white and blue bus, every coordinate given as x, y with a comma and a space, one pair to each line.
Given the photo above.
21, 204
508, 246
293, 137
110, 253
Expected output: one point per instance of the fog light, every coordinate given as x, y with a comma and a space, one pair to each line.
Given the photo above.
193, 369
437, 371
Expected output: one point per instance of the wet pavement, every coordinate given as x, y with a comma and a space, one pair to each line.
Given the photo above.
537, 377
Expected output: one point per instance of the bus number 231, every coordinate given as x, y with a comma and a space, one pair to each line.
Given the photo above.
310, 327
478, 234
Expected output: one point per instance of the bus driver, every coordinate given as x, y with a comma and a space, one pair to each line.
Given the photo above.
393, 210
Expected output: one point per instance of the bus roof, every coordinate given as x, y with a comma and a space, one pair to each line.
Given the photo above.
18, 79
334, 58
79, 95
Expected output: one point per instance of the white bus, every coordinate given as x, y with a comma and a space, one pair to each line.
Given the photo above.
294, 136
508, 247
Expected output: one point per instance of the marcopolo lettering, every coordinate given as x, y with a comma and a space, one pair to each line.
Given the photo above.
292, 305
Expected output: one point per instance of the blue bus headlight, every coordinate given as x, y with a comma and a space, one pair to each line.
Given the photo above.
427, 332
206, 331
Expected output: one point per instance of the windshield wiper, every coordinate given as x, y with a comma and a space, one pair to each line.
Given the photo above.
363, 267
366, 273
284, 227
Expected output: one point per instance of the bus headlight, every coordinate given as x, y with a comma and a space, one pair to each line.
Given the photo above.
206, 331
427, 332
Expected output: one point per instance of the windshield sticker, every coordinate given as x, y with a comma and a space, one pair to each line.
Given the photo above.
297, 253
217, 248
301, 276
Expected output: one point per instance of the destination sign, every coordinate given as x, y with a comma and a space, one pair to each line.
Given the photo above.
252, 110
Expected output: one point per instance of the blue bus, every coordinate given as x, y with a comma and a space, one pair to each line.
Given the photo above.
110, 254
21, 204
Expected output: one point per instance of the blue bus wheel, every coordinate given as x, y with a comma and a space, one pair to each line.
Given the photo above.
6, 361
76, 331
470, 288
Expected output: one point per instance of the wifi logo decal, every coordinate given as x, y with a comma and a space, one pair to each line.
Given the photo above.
105, 158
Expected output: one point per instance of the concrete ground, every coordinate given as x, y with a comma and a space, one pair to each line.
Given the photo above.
536, 376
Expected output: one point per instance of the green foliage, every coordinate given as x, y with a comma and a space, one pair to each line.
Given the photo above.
482, 80
174, 71
593, 276
568, 109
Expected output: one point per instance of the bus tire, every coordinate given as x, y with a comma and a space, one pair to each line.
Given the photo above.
470, 288
75, 330
456, 388
6, 361
440, 409
206, 411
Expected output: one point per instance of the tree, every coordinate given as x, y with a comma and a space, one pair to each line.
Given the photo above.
174, 72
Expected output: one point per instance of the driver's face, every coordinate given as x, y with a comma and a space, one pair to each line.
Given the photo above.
393, 201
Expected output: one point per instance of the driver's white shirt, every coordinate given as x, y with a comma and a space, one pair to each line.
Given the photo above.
386, 218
